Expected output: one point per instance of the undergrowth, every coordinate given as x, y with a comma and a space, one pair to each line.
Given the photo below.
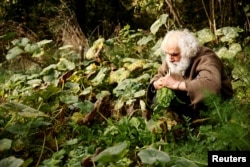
93, 113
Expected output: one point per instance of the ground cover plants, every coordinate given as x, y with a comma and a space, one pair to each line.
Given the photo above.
93, 112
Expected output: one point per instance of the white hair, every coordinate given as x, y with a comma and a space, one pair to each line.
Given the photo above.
187, 43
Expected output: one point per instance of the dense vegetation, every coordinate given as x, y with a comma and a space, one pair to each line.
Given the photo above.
74, 94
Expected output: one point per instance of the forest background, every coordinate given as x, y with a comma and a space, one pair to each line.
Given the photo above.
73, 79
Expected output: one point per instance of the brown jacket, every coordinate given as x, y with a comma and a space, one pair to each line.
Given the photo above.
205, 74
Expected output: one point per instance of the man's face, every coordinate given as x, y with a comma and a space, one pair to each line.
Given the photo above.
172, 52
176, 63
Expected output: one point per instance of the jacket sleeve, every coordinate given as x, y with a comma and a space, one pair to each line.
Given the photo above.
206, 79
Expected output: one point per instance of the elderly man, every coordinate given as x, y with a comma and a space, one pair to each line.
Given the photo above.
194, 71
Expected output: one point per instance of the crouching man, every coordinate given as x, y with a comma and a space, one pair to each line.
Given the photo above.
194, 70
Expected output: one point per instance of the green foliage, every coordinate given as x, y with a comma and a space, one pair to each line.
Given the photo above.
163, 97
45, 115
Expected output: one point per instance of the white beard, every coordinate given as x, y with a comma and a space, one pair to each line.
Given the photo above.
178, 67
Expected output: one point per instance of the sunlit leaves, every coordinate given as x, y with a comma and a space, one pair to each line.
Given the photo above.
118, 75
228, 34
158, 23
133, 64
205, 35
230, 52
95, 49
100, 76
24, 45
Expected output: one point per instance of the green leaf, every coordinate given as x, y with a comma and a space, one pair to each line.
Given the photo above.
24, 42
18, 129
95, 49
12, 53
228, 34
99, 77
140, 93
5, 144
85, 106
102, 94
69, 99
118, 75
11, 162
205, 35
71, 142
135, 64
158, 23
48, 69
22, 110
145, 40
113, 154
64, 65
43, 42
151, 156
234, 48
31, 48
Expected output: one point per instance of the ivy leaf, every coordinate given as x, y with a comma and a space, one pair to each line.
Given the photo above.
151, 156
12, 53
158, 23
112, 154
11, 162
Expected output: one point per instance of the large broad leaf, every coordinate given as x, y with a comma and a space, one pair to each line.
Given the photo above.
136, 64
118, 75
234, 49
99, 77
31, 48
22, 110
85, 106
5, 144
95, 49
113, 154
12, 53
102, 94
145, 40
64, 65
47, 70
151, 156
69, 99
228, 34
11, 162
205, 35
158, 23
